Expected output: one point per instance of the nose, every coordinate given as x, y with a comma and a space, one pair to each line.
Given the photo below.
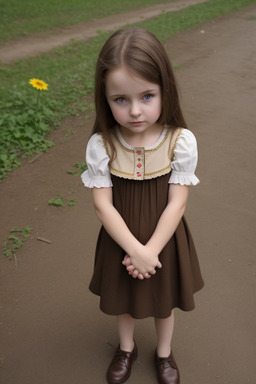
135, 109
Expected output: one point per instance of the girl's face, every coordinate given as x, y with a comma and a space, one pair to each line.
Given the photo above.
135, 103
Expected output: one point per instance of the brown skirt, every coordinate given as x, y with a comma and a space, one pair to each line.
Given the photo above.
141, 204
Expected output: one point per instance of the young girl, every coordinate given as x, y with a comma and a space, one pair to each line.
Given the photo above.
140, 166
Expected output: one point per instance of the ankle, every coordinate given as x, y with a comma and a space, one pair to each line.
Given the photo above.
127, 346
163, 353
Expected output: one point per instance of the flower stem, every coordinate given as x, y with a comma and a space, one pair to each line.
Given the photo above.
37, 100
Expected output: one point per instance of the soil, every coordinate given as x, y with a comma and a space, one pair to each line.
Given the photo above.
51, 328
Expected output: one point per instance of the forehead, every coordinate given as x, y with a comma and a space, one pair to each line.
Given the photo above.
122, 81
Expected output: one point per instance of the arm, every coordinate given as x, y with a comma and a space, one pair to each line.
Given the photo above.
170, 218
167, 223
141, 256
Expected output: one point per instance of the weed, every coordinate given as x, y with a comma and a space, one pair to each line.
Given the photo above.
69, 132
15, 240
176, 66
71, 202
81, 167
57, 202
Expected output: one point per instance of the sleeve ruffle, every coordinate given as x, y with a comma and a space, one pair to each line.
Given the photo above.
183, 178
97, 174
91, 181
185, 160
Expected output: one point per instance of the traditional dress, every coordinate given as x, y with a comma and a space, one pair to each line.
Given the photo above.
140, 178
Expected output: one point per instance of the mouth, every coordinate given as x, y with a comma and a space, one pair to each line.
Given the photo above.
136, 123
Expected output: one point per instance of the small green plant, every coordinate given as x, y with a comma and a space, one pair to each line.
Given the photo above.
176, 66
57, 202
81, 167
16, 240
71, 202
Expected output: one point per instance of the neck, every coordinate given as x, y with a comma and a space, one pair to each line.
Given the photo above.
145, 138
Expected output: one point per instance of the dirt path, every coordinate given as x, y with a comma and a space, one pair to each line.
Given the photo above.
51, 329
36, 44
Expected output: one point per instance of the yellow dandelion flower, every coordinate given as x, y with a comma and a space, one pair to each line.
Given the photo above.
38, 84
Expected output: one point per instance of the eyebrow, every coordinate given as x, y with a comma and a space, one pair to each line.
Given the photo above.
142, 93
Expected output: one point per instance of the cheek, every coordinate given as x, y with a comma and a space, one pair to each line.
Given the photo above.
156, 111
118, 113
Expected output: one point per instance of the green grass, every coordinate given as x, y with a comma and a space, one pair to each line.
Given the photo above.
59, 202
15, 240
24, 17
69, 72
191, 17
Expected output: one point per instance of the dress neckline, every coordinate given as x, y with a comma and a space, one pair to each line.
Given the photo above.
128, 146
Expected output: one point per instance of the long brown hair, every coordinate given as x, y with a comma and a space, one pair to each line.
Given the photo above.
143, 54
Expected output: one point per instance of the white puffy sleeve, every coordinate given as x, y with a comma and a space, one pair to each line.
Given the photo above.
185, 160
97, 175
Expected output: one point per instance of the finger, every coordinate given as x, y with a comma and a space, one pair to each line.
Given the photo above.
130, 268
135, 273
126, 260
140, 276
127, 263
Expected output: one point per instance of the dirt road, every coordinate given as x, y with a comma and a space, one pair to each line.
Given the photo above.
37, 44
51, 329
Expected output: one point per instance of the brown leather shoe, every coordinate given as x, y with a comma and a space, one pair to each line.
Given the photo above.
167, 370
121, 365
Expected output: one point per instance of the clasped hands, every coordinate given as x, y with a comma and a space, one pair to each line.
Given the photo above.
143, 264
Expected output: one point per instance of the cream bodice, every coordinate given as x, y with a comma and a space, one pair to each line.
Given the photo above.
174, 150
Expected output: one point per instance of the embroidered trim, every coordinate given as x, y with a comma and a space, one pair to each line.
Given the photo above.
161, 172
145, 148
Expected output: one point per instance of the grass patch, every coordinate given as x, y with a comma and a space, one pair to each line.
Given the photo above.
80, 168
59, 202
15, 240
69, 72
22, 18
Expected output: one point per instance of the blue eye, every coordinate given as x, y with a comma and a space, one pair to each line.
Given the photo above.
121, 100
147, 97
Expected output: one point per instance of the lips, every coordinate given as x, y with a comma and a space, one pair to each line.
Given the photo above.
136, 123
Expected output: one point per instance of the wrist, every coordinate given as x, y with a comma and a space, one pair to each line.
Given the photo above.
155, 248
135, 249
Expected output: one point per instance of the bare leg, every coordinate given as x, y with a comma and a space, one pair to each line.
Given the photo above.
164, 332
125, 325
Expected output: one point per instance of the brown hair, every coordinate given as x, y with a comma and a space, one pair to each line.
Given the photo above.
143, 54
